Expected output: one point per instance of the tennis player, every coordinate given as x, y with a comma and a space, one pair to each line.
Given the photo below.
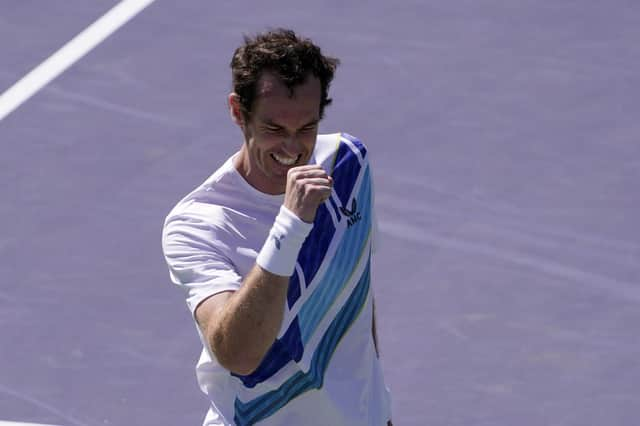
273, 252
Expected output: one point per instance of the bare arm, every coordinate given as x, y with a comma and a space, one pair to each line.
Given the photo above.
241, 326
374, 330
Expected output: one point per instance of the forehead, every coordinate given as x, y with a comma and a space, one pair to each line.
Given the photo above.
274, 100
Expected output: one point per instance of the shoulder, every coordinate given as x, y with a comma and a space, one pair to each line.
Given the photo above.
337, 149
204, 207
354, 144
194, 225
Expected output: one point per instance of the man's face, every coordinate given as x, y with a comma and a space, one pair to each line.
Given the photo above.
280, 132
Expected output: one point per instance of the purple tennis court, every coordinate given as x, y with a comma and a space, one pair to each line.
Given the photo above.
505, 144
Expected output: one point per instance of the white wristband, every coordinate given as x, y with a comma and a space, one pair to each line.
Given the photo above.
280, 251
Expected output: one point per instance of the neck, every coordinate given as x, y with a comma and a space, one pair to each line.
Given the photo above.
250, 174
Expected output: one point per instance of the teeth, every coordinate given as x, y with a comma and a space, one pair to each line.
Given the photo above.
284, 160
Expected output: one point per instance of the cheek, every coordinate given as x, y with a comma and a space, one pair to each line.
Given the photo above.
267, 142
308, 140
248, 134
261, 145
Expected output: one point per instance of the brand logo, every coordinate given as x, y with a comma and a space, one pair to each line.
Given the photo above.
353, 215
277, 239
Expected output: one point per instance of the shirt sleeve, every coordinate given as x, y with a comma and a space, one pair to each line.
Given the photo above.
196, 259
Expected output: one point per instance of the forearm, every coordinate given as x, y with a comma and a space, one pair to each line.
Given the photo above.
249, 322
241, 327
374, 329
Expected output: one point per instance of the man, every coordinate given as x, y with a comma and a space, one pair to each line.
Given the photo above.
273, 251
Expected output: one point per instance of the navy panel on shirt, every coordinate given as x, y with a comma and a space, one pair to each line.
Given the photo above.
315, 247
357, 143
288, 348
293, 292
345, 172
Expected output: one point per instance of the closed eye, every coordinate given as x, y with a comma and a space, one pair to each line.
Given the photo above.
273, 129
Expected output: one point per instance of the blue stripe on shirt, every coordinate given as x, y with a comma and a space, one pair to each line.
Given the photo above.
248, 413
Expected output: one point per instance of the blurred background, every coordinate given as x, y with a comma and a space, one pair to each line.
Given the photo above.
505, 143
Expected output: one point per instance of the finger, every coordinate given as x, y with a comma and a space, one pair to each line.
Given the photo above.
307, 168
320, 181
326, 196
310, 168
303, 174
320, 191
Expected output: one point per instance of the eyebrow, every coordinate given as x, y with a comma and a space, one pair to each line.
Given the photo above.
269, 122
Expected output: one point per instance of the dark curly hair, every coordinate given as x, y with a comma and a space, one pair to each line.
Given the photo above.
282, 52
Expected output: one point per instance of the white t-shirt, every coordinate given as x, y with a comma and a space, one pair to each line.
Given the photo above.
322, 370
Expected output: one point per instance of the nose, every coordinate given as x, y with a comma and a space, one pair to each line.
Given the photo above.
292, 146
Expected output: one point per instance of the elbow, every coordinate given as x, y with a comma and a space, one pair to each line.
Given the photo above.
237, 364
242, 368
231, 357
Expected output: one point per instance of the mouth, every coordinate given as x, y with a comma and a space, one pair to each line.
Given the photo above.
284, 160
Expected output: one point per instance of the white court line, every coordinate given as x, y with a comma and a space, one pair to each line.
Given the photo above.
21, 424
68, 54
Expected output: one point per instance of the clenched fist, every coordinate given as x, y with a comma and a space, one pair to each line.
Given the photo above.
307, 187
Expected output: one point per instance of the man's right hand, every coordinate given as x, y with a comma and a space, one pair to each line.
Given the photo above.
307, 187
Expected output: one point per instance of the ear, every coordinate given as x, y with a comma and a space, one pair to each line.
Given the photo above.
235, 110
